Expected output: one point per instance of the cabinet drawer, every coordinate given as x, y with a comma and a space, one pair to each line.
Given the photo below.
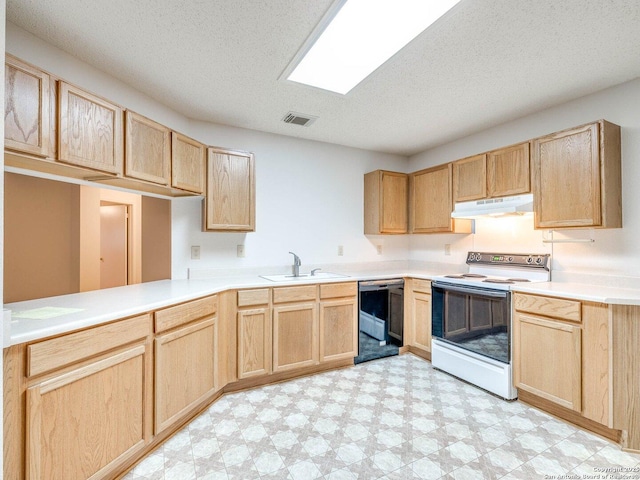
187, 312
257, 296
58, 352
335, 290
294, 294
560, 308
421, 286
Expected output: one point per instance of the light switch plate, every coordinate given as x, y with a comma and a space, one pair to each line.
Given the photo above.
240, 251
195, 252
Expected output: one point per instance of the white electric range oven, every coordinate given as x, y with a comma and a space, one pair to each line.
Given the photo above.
471, 317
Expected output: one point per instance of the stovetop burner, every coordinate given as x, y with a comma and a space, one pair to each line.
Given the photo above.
501, 271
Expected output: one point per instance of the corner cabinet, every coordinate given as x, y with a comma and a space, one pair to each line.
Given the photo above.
230, 191
431, 202
26, 108
577, 178
385, 202
89, 131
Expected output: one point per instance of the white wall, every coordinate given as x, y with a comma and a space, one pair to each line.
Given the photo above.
615, 251
309, 199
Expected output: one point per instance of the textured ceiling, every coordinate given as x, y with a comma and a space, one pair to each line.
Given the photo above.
484, 63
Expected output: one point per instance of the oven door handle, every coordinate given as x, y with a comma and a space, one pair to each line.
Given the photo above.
472, 291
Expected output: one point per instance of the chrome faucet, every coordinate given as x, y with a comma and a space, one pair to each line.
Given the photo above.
296, 264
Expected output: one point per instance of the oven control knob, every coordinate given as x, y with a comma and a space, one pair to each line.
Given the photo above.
510, 259
539, 260
529, 260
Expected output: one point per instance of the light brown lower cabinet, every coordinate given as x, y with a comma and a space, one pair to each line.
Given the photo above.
417, 321
295, 336
185, 373
84, 419
550, 359
561, 353
185, 359
81, 423
338, 321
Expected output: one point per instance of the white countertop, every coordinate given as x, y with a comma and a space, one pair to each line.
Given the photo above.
582, 291
102, 306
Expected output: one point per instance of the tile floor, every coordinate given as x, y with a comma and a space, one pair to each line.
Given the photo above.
393, 418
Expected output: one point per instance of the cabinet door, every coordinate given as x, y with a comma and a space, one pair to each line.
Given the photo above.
89, 130
295, 336
185, 372
567, 179
230, 197
508, 171
421, 321
338, 329
254, 342
148, 150
431, 200
26, 108
470, 178
547, 359
187, 163
83, 423
393, 206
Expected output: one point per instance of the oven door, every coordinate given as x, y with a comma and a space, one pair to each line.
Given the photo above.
472, 318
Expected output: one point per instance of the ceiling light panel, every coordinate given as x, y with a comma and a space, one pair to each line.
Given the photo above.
362, 36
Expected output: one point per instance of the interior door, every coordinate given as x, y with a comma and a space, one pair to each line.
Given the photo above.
113, 245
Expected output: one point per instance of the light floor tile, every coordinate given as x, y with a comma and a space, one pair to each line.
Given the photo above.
396, 419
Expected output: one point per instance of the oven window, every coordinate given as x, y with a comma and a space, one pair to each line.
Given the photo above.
474, 321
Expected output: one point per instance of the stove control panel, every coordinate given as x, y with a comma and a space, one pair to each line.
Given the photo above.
534, 260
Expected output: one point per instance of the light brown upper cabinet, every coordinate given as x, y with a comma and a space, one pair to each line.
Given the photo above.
577, 178
187, 163
147, 149
26, 108
89, 131
385, 202
508, 171
432, 202
470, 178
230, 195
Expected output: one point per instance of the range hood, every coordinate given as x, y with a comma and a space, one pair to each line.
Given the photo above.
494, 207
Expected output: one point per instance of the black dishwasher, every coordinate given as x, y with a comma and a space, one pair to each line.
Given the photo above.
381, 318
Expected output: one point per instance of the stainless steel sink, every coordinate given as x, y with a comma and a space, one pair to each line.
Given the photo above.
305, 276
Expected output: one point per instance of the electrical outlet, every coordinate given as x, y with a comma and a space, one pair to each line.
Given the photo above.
195, 252
447, 249
340, 250
379, 249
240, 251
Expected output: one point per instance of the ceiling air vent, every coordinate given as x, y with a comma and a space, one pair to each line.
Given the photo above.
301, 119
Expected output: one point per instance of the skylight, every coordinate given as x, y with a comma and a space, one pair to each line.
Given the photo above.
362, 36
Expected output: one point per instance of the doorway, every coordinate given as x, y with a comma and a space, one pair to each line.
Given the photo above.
114, 244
